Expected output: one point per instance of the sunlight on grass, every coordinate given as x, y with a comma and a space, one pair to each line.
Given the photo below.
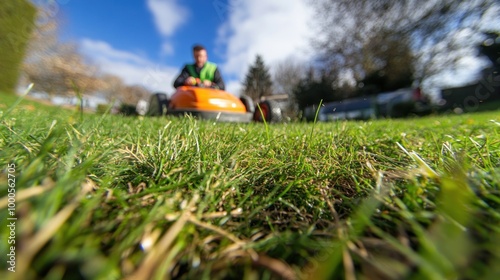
103, 196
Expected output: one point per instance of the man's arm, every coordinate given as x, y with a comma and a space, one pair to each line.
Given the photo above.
181, 79
218, 80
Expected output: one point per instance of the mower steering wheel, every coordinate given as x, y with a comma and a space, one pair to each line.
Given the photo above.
214, 86
200, 84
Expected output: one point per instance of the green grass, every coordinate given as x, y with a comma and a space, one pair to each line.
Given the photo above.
109, 197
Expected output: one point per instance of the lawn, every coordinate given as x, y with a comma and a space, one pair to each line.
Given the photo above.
112, 197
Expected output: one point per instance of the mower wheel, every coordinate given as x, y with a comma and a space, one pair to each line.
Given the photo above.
158, 104
248, 102
270, 111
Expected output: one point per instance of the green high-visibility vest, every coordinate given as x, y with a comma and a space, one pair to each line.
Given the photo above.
206, 73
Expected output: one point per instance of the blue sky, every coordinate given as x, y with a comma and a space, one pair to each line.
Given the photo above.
146, 42
131, 26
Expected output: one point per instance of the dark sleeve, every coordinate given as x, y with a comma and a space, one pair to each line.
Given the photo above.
218, 80
182, 77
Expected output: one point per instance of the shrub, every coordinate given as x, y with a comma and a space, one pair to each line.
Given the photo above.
128, 110
16, 25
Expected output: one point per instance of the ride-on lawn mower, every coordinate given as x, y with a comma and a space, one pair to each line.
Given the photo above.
214, 104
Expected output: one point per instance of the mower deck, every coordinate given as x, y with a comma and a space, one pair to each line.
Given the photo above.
214, 115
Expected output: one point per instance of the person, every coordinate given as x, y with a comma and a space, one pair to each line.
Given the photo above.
202, 71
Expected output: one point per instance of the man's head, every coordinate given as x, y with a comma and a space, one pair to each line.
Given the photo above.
200, 55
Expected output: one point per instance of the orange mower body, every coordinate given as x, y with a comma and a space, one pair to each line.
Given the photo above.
206, 103
205, 99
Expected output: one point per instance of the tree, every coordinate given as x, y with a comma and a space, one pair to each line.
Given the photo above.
112, 87
387, 63
258, 80
16, 26
44, 40
429, 26
287, 75
490, 48
63, 73
57, 67
132, 94
311, 90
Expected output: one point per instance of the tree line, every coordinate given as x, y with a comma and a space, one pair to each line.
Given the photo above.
372, 46
53, 66
365, 47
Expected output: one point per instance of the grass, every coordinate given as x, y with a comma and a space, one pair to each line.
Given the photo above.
110, 197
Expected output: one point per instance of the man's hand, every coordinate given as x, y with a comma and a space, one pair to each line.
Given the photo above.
191, 81
207, 83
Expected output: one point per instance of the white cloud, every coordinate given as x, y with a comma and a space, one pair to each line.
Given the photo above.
167, 49
465, 72
102, 50
168, 15
277, 30
233, 86
490, 20
133, 69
